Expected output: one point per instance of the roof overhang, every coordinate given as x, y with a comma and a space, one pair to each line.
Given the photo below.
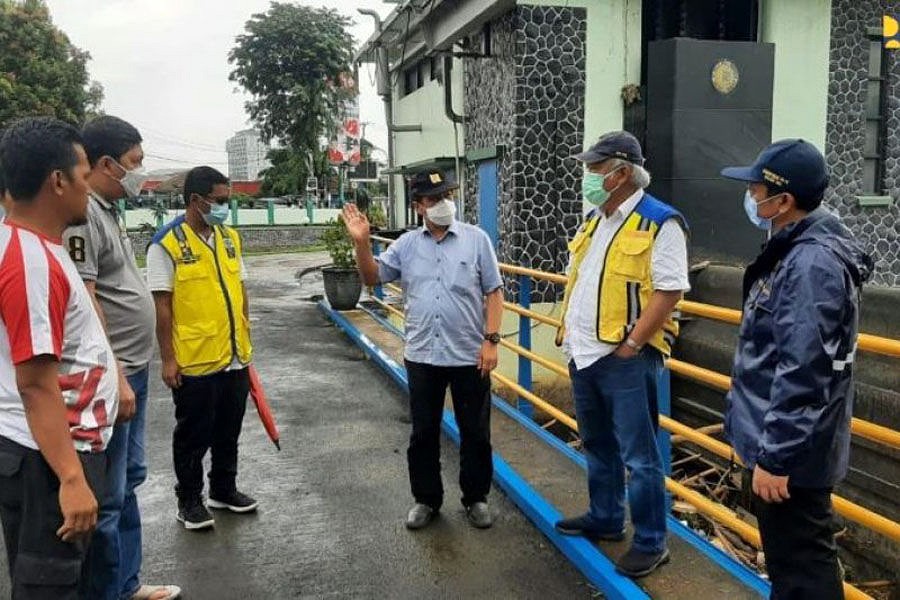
419, 28
438, 162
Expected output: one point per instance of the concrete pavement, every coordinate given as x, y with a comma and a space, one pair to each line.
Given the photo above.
332, 503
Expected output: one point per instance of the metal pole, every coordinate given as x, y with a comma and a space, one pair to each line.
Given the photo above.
378, 290
392, 202
663, 437
525, 374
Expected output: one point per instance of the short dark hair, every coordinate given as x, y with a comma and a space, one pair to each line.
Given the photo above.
31, 149
807, 203
109, 136
200, 180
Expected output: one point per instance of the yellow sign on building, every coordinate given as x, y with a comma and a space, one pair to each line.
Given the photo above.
891, 32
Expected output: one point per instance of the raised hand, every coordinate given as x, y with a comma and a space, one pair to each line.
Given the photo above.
357, 224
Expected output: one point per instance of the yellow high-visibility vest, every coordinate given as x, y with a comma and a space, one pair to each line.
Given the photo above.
209, 328
625, 282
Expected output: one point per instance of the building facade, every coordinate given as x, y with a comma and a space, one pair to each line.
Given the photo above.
246, 155
533, 82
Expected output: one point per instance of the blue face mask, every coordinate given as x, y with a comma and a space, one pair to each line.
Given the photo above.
217, 214
750, 205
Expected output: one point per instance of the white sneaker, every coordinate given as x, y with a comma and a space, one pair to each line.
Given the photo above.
146, 592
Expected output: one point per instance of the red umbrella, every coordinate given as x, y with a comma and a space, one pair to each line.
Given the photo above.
262, 407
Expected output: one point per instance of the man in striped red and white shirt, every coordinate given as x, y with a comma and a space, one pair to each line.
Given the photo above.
58, 377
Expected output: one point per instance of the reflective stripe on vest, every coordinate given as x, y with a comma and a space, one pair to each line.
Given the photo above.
209, 328
626, 279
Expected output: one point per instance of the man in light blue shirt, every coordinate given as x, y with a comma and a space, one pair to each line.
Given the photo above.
454, 304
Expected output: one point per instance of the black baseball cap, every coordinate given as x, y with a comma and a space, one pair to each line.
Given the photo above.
431, 182
791, 165
615, 144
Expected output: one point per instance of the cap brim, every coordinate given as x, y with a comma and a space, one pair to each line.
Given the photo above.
740, 173
589, 157
441, 189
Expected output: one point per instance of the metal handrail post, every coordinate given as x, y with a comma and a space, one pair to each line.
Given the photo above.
663, 437
525, 374
377, 290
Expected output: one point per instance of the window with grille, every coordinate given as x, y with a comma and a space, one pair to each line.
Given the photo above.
876, 100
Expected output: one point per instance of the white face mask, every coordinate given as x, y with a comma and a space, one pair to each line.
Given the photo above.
442, 213
132, 181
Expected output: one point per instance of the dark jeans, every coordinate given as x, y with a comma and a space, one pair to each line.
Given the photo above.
41, 566
209, 412
798, 540
615, 403
113, 564
472, 407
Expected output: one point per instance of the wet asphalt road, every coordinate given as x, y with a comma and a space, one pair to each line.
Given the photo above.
332, 503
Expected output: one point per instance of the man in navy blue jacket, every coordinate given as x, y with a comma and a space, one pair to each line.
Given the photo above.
789, 408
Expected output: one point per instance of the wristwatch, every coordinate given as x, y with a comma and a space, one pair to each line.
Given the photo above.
633, 345
493, 338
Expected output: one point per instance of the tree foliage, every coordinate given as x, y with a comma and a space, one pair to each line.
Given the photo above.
290, 60
289, 171
41, 71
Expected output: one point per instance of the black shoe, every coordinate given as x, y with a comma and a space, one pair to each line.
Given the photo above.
194, 515
235, 502
584, 527
639, 564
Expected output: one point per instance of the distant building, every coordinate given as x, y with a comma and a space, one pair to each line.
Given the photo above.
246, 155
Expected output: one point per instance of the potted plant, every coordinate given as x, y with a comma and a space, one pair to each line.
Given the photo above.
342, 284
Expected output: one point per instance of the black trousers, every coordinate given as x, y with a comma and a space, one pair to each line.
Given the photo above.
209, 412
472, 407
798, 540
41, 565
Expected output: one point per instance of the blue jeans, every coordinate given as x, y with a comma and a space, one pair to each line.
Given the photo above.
615, 403
113, 565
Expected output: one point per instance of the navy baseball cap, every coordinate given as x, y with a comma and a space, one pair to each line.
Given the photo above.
432, 182
791, 165
615, 144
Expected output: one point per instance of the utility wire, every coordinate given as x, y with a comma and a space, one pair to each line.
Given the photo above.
183, 160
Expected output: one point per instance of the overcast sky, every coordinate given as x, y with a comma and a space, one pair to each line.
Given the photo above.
163, 65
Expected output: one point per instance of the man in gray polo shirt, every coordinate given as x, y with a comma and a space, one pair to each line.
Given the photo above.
103, 255
454, 304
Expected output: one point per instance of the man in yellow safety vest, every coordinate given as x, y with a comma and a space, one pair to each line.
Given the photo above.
196, 274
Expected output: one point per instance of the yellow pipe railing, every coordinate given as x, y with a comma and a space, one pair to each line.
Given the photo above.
531, 314
389, 308
867, 342
728, 518
704, 505
544, 362
859, 427
535, 274
842, 506
536, 401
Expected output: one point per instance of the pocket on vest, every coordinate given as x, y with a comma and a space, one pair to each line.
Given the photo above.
630, 258
193, 343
